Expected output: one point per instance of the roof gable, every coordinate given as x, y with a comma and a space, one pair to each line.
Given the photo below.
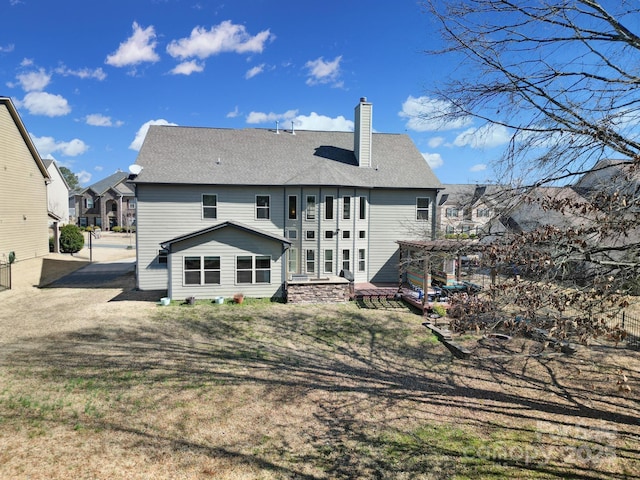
25, 135
227, 224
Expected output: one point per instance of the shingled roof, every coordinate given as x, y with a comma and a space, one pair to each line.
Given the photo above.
191, 155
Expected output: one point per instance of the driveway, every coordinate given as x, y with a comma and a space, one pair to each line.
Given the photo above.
96, 274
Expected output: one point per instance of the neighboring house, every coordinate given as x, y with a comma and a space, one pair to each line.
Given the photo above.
222, 211
105, 204
466, 208
23, 190
58, 202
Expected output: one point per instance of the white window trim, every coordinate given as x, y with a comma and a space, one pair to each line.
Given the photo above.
253, 270
259, 219
203, 206
421, 209
202, 271
307, 210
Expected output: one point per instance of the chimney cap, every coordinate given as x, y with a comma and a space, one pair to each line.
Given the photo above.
363, 99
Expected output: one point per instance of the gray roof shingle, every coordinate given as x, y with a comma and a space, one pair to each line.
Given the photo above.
193, 155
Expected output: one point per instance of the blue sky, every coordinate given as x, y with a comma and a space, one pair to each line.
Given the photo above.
88, 77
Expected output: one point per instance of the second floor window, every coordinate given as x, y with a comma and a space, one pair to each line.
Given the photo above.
451, 212
88, 203
346, 208
422, 208
311, 207
262, 207
363, 208
328, 207
293, 207
209, 206
483, 212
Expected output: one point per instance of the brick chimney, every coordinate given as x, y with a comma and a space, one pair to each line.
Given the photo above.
362, 133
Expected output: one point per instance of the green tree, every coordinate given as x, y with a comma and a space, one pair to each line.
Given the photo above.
71, 178
71, 239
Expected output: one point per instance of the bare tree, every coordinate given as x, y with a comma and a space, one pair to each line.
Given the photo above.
562, 77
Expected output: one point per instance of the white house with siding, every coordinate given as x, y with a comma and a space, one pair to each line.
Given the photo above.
221, 211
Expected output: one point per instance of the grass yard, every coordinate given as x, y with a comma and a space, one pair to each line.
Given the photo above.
272, 391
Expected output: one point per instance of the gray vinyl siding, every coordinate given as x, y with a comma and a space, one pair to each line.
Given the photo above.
393, 218
227, 244
168, 211
23, 196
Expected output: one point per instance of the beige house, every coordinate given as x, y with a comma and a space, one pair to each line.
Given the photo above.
24, 215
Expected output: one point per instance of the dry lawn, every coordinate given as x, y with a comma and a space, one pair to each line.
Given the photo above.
104, 383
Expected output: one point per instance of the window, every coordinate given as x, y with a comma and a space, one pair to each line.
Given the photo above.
363, 208
114, 207
262, 207
311, 207
83, 221
361, 260
451, 212
163, 254
310, 235
263, 269
346, 234
450, 229
209, 206
311, 261
293, 207
345, 260
131, 204
293, 260
202, 270
422, 208
346, 208
88, 203
328, 234
484, 212
328, 261
328, 208
362, 234
466, 229
292, 234
244, 269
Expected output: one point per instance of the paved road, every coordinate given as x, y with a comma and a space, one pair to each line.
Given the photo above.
95, 274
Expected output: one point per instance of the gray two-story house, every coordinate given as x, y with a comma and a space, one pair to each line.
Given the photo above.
221, 211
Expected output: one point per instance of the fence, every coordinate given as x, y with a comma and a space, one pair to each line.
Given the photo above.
5, 276
631, 325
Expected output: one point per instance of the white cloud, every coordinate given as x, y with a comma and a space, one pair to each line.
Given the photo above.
98, 168
42, 103
138, 48
187, 68
487, 136
260, 117
425, 114
7, 48
83, 73
234, 113
84, 177
436, 142
433, 159
99, 120
48, 145
324, 123
313, 121
142, 132
321, 72
480, 167
252, 72
225, 37
34, 81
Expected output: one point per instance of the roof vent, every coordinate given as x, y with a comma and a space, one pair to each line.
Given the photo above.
277, 128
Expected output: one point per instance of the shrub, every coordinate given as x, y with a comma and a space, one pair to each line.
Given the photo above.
71, 239
439, 310
116, 229
51, 244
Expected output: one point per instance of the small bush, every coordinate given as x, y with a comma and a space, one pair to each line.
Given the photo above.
439, 310
116, 229
71, 239
51, 244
